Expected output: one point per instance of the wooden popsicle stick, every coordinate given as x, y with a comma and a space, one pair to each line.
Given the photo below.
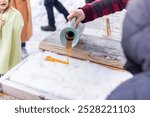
108, 29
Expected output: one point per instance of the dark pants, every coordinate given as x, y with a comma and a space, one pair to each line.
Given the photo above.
49, 8
23, 44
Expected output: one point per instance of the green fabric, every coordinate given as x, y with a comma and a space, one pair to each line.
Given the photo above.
10, 40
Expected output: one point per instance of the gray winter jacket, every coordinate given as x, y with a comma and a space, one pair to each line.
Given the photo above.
136, 46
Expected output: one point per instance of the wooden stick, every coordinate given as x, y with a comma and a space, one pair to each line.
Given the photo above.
108, 29
2, 94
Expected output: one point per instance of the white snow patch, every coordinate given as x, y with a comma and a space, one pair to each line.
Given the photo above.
78, 80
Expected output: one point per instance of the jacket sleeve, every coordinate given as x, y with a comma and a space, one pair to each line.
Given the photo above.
136, 36
16, 40
99, 8
18, 25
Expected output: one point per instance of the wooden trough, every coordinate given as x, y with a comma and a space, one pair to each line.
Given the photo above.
21, 91
98, 50
25, 92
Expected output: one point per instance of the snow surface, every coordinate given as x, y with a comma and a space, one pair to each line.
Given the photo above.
79, 80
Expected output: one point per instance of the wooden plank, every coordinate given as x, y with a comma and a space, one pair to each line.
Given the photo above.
19, 91
95, 49
26, 93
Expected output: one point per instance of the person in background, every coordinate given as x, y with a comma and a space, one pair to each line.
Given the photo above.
23, 6
49, 4
11, 24
96, 9
135, 43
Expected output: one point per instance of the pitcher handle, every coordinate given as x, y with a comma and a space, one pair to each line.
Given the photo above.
73, 21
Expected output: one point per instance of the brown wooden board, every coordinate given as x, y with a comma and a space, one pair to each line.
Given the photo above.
95, 49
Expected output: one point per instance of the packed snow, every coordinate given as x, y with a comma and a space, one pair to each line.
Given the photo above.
78, 80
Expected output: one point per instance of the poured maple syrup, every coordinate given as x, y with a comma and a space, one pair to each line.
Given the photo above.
68, 54
108, 29
69, 37
49, 58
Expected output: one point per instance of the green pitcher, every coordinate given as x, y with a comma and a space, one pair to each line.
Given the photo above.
69, 35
